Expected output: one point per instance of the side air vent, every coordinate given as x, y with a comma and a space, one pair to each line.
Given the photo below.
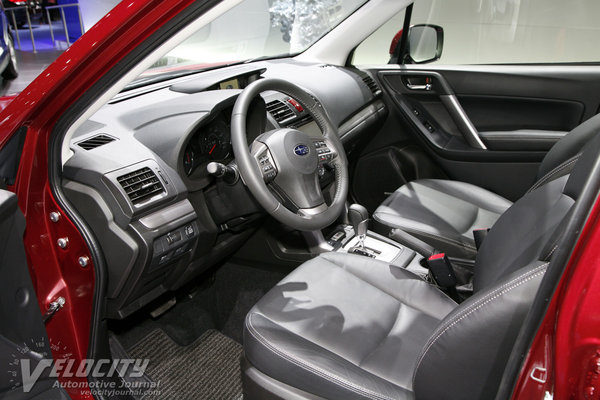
279, 110
370, 82
95, 141
141, 185
301, 122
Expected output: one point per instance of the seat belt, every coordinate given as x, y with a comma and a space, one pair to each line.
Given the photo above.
441, 270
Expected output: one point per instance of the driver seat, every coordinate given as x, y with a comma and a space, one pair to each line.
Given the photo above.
444, 213
342, 326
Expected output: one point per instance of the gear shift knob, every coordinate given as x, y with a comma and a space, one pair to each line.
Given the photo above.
359, 218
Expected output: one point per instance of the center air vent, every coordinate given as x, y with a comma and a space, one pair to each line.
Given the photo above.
141, 185
279, 110
370, 82
95, 141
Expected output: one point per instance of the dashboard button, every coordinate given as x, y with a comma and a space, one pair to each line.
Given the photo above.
180, 250
189, 231
165, 258
296, 105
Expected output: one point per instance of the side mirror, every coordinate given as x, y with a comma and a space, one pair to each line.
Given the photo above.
424, 45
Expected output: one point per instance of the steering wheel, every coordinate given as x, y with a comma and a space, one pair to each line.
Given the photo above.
282, 165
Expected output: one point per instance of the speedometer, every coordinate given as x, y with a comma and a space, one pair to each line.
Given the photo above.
215, 144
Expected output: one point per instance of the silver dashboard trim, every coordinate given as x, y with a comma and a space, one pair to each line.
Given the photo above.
168, 214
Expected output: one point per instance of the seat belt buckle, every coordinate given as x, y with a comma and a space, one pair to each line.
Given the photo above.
441, 270
479, 235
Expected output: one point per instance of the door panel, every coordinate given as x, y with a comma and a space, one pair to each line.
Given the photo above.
516, 112
511, 113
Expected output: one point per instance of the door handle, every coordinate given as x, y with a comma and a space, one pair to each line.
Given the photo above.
426, 87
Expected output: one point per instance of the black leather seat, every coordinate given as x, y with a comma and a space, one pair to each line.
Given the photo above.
343, 326
444, 213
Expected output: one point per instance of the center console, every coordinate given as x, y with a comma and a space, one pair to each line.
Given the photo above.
344, 240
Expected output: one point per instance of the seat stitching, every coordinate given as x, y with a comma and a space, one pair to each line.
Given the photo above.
477, 305
313, 368
546, 178
493, 293
551, 252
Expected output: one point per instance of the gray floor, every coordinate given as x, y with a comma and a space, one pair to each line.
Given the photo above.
208, 368
30, 66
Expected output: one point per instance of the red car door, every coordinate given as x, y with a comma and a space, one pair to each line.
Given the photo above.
61, 262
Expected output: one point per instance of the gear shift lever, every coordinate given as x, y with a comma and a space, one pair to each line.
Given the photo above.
359, 218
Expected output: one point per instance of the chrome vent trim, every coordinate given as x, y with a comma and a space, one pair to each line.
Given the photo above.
280, 111
141, 185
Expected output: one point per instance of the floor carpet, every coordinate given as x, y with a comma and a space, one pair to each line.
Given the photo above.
208, 368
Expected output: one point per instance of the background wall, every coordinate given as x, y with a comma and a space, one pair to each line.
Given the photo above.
93, 10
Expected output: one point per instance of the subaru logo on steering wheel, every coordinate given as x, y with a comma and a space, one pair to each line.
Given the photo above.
301, 149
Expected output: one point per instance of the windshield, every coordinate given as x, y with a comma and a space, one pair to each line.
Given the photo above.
253, 29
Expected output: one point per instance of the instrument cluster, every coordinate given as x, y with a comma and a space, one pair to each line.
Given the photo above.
211, 143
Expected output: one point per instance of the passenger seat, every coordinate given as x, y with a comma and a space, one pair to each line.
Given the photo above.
444, 213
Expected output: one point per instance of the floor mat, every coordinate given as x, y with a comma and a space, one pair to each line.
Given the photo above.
209, 368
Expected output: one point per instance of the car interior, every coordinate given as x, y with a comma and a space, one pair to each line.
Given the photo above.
334, 231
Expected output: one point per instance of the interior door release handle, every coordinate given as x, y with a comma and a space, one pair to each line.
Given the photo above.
419, 82
426, 86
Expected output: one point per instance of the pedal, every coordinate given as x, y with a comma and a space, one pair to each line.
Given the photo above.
163, 308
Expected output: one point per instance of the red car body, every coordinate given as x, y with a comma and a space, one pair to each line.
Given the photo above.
567, 345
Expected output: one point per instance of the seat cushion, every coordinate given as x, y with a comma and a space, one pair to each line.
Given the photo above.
345, 326
442, 213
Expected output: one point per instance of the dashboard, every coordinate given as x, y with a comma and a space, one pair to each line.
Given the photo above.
137, 171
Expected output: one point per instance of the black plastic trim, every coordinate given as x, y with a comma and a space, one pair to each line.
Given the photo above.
10, 156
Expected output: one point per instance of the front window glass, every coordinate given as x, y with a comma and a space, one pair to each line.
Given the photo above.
255, 29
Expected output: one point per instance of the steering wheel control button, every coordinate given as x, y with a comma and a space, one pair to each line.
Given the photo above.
323, 151
266, 166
